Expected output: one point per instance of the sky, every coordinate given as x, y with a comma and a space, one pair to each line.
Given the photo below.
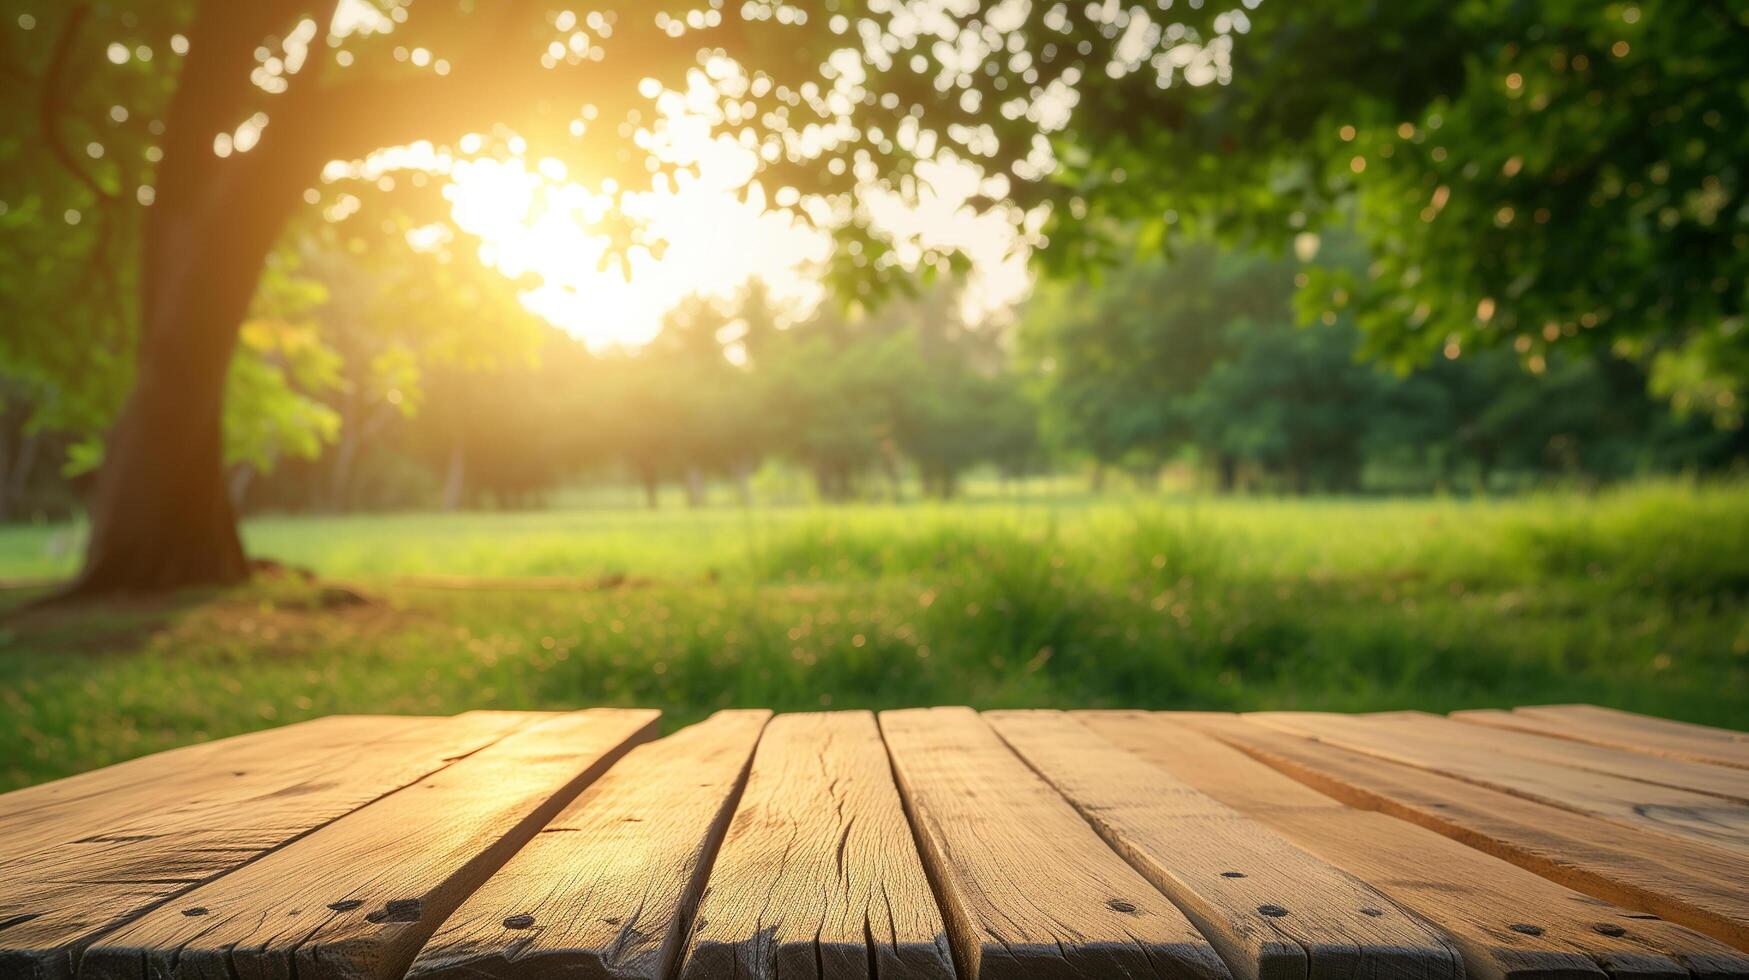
718, 227
718, 230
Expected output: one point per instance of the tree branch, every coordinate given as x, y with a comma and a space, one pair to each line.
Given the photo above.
497, 80
53, 102
52, 105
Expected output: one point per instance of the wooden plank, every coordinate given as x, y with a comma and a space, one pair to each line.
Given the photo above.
1028, 888
1171, 740
128, 774
1637, 722
1273, 910
54, 900
1719, 781
818, 875
1508, 922
358, 897
106, 801
1621, 730
608, 888
1678, 814
1691, 884
204, 774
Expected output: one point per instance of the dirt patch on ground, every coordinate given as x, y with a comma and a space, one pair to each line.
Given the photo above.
604, 583
279, 616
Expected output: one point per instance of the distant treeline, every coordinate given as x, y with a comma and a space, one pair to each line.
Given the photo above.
1198, 362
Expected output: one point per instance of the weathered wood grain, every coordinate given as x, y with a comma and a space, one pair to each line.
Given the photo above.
1507, 921
91, 803
1622, 730
122, 776
1699, 777
1169, 740
1029, 889
357, 898
608, 888
818, 876
1273, 910
1679, 814
1692, 884
54, 900
1635, 722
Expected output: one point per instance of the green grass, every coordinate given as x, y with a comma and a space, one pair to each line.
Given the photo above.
1636, 598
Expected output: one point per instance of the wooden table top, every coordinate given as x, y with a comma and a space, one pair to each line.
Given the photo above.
1568, 842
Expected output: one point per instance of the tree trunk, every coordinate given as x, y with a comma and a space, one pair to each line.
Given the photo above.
694, 487
454, 480
24, 466
5, 472
161, 516
340, 474
893, 468
15, 471
1227, 470
744, 483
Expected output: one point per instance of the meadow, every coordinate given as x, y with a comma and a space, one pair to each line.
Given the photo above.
1636, 597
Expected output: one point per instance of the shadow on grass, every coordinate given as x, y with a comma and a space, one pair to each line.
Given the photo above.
123, 624
94, 627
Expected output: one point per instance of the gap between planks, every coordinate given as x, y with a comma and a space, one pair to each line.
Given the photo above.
1621, 730
1275, 911
359, 897
1691, 884
1027, 887
818, 874
1422, 742
1121, 793
60, 897
1507, 921
608, 889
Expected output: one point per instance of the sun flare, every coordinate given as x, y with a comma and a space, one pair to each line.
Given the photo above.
716, 231
707, 231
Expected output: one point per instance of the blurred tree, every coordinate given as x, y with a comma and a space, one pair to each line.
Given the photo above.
1621, 220
1586, 417
273, 405
831, 385
848, 393
1201, 353
239, 106
1121, 359
1293, 403
29, 483
719, 415
1537, 176
508, 433
963, 404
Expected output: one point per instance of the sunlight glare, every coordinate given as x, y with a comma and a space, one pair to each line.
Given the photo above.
706, 231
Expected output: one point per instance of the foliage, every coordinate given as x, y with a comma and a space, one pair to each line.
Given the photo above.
909, 381
276, 90
1535, 176
1633, 598
1120, 358
1556, 181
75, 166
1200, 353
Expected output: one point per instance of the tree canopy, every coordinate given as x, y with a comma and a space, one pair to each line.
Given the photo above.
1534, 178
